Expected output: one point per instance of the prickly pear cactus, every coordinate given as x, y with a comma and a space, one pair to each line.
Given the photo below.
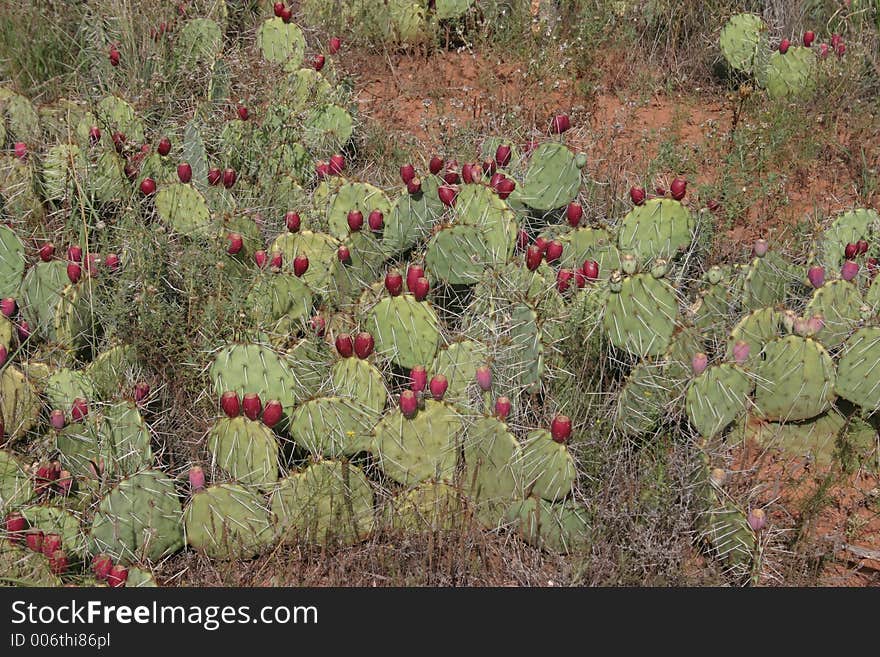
458, 362
362, 383
183, 208
15, 484
858, 371
354, 196
596, 244
717, 397
424, 447
839, 303
642, 399
11, 262
406, 331
660, 228
227, 521
742, 38
792, 74
562, 527
20, 566
552, 179
246, 450
330, 501
755, 329
640, 316
847, 228
548, 467
493, 474
795, 380
245, 368
331, 426
19, 404
280, 42
139, 520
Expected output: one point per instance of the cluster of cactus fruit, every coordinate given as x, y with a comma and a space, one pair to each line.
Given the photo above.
401, 362
786, 70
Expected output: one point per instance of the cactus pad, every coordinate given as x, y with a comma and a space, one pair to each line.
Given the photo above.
424, 447
755, 329
11, 262
792, 74
255, 368
227, 521
795, 379
406, 331
493, 468
280, 42
331, 426
328, 502
660, 228
246, 450
360, 382
717, 397
552, 179
15, 484
139, 520
839, 303
858, 371
19, 404
560, 527
548, 467
590, 244
741, 39
640, 318
183, 208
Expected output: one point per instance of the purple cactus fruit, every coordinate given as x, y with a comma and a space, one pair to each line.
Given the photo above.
502, 155
699, 362
816, 276
849, 270
413, 273
196, 478
79, 409
815, 324
117, 576
272, 413
345, 345
438, 386
141, 392
757, 519
101, 565
484, 378
363, 345
4, 354
560, 428
760, 248
502, 408
8, 307
376, 220
57, 419
409, 404
34, 540
573, 213
741, 351
418, 377
851, 250
251, 405
421, 288
230, 404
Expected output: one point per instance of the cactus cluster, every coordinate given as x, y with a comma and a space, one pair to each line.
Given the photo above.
383, 359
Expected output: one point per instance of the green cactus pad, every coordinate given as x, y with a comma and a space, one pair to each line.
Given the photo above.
640, 318
18, 118
431, 506
139, 578
19, 404
548, 467
560, 527
15, 484
111, 368
459, 255
117, 439
839, 303
328, 127
479, 206
872, 296
847, 228
7, 331
677, 368
198, 44
275, 296
795, 380
858, 370
355, 196
642, 400
139, 520
362, 383
280, 42
114, 114
246, 450
756, 329
255, 368
660, 228
227, 521
183, 208
741, 39
765, 283
55, 520
458, 362
726, 532
412, 217
74, 321
451, 9
552, 179
303, 88
328, 502
717, 397
321, 252
424, 447
21, 567
584, 244
331, 426
41, 293
11, 262
493, 473
65, 385
819, 439
792, 74
405, 331
61, 166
